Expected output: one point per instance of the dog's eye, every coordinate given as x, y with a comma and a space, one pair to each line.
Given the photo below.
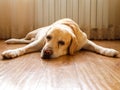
48, 37
61, 42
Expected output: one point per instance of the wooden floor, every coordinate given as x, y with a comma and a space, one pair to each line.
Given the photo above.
83, 71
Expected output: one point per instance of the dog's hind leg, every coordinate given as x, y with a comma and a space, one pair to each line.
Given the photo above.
28, 39
101, 50
19, 41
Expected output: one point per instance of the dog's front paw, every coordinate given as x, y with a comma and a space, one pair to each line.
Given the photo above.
10, 54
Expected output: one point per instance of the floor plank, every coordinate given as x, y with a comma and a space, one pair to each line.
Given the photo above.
83, 71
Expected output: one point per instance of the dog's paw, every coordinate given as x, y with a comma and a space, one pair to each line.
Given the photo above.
10, 41
10, 54
111, 52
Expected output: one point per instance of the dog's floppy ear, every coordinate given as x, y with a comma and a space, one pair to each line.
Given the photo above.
79, 38
73, 45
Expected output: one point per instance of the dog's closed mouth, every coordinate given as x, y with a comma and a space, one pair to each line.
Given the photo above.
46, 57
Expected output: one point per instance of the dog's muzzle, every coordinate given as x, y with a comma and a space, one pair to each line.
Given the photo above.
47, 54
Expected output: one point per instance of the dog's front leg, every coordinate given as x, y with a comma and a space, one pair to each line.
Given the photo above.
34, 46
101, 50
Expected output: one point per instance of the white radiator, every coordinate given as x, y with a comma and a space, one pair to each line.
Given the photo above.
93, 16
99, 19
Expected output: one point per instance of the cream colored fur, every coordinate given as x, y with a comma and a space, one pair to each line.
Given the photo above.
60, 38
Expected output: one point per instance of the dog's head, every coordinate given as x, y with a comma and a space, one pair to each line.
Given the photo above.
64, 37
59, 41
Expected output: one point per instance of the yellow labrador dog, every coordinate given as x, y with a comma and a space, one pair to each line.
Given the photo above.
60, 38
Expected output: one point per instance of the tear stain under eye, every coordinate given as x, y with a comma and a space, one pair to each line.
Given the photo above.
68, 49
58, 45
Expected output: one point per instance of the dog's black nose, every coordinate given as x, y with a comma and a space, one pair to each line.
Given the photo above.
47, 54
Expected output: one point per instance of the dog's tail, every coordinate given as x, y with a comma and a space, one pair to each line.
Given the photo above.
18, 41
